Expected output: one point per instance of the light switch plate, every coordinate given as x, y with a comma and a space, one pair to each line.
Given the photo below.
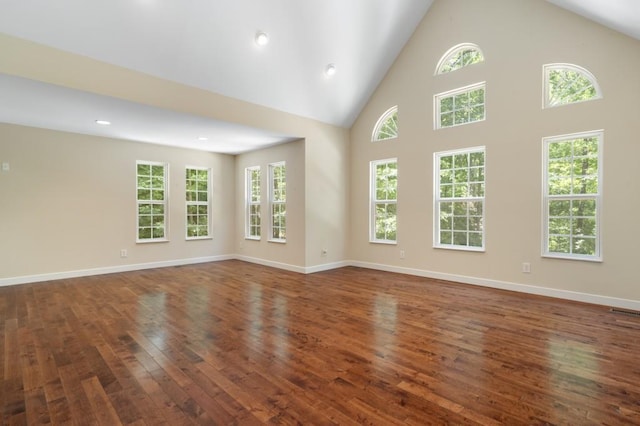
5, 167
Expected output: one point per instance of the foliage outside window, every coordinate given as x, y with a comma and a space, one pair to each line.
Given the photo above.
387, 125
197, 202
151, 201
252, 220
384, 199
278, 201
459, 199
572, 196
460, 106
567, 84
458, 57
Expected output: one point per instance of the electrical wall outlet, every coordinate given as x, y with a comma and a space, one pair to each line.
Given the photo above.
401, 254
323, 252
123, 253
526, 267
6, 167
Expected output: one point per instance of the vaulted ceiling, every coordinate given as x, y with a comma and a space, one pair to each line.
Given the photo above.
210, 44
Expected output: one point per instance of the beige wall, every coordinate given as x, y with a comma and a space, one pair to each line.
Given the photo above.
290, 253
320, 217
517, 38
69, 203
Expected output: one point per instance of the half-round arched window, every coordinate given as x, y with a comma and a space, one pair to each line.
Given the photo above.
387, 125
459, 56
567, 84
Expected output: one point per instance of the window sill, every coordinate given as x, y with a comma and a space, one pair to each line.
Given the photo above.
158, 240
198, 238
461, 248
385, 242
594, 259
278, 241
252, 238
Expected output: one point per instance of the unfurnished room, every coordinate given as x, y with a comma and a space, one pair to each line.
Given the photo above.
380, 212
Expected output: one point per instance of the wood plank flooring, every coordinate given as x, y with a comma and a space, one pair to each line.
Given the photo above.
236, 343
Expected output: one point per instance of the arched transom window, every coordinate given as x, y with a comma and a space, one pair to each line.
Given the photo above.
387, 125
567, 84
459, 56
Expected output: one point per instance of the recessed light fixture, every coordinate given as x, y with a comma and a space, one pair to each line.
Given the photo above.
103, 122
330, 70
262, 38
203, 138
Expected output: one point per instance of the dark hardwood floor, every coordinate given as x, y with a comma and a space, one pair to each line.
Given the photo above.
236, 343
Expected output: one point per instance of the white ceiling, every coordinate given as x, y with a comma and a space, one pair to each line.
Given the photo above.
210, 44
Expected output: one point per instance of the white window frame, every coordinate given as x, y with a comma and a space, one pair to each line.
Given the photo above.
454, 51
386, 116
374, 201
437, 101
277, 201
251, 203
546, 70
164, 203
546, 198
198, 204
438, 199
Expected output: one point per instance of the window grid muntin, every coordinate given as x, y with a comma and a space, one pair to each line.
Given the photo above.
278, 201
384, 199
575, 220
550, 100
151, 201
198, 202
253, 222
458, 57
387, 126
459, 195
458, 105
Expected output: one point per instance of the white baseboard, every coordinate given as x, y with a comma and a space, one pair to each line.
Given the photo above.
108, 270
503, 285
263, 262
326, 267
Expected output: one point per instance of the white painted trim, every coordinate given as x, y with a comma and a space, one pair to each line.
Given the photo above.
26, 279
326, 267
483, 282
263, 262
504, 285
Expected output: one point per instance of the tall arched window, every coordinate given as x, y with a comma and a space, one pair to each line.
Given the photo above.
567, 84
459, 56
387, 125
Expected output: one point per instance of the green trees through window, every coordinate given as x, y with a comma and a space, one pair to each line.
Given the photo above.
151, 180
459, 199
252, 203
567, 84
387, 125
197, 202
384, 198
572, 195
278, 201
459, 56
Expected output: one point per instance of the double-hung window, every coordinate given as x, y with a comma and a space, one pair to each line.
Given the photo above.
278, 201
572, 196
152, 201
384, 200
197, 191
459, 199
252, 204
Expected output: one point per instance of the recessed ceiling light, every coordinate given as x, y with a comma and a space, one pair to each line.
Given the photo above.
103, 122
262, 38
330, 70
203, 138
